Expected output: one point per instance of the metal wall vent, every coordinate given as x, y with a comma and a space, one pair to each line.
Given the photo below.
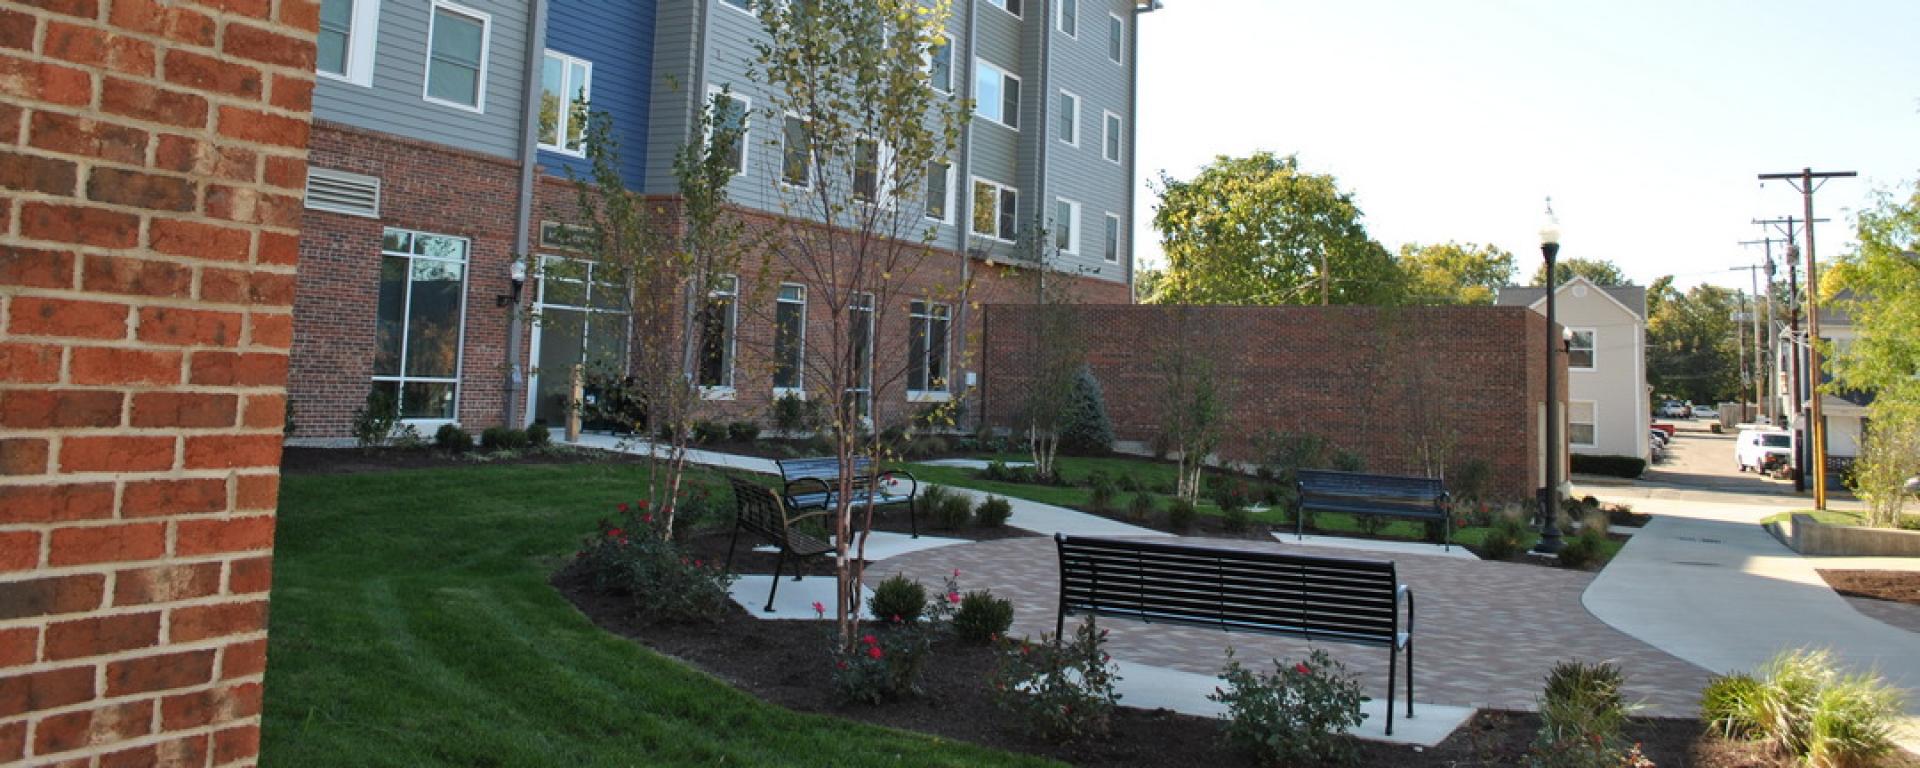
341, 192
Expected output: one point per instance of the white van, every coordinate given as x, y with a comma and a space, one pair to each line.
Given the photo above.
1754, 445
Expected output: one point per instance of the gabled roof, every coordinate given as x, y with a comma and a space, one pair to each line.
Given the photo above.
1632, 298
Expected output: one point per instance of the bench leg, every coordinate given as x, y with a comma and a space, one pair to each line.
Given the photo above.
913, 518
1393, 668
779, 567
1409, 676
732, 541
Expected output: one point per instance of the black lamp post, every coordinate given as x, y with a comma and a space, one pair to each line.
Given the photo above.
1550, 542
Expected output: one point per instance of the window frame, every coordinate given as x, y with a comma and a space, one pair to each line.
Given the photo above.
1593, 425
362, 33
1592, 349
883, 180
946, 86
1060, 18
743, 6
927, 311
1072, 229
1010, 6
746, 124
1116, 45
799, 388
947, 204
729, 365
863, 379
1113, 238
1000, 190
811, 165
1074, 140
401, 379
1112, 131
486, 51
566, 106
1005, 75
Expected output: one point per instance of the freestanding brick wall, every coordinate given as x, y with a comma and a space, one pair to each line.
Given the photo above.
152, 157
1364, 378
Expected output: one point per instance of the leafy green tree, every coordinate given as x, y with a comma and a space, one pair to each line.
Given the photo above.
1691, 350
1455, 273
1146, 285
1883, 276
1600, 271
1258, 230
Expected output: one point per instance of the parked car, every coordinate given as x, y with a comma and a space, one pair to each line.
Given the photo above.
1667, 428
1756, 449
1658, 438
1705, 412
1673, 409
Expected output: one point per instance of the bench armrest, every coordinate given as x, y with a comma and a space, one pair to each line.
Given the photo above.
1405, 592
796, 487
913, 488
791, 519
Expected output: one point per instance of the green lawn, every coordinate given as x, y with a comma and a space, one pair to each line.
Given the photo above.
413, 625
1828, 516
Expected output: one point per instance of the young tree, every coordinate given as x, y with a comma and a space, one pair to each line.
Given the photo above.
1455, 273
1258, 230
866, 130
1056, 350
1882, 276
1193, 417
1600, 271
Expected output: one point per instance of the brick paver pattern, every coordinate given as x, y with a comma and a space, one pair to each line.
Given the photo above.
1486, 633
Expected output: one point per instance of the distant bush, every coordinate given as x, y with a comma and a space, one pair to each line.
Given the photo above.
1503, 538
1610, 466
993, 512
898, 599
705, 432
950, 510
743, 431
1084, 426
982, 618
502, 439
1236, 519
1103, 493
1180, 515
636, 560
452, 439
538, 436
1471, 480
1346, 461
1584, 548
793, 414
1141, 509
1060, 691
375, 419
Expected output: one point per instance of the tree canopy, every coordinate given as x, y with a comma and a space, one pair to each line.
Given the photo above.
1259, 230
1454, 273
1883, 273
1600, 271
1691, 351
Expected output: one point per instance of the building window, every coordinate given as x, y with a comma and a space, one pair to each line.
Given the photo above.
718, 318
582, 309
940, 192
565, 86
796, 157
1580, 349
995, 210
940, 66
344, 49
729, 125
998, 97
1069, 118
419, 321
744, 5
456, 57
860, 339
1116, 38
1010, 6
1110, 138
866, 170
1066, 226
572, 237
789, 338
1069, 17
927, 347
1113, 239
1580, 422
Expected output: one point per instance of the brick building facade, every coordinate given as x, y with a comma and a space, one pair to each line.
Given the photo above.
151, 160
1372, 381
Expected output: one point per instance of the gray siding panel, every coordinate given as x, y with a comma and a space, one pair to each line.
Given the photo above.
395, 104
1081, 173
668, 114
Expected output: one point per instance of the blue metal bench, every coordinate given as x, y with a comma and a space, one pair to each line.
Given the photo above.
814, 483
1356, 493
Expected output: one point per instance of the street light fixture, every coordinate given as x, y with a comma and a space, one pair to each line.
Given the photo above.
1550, 542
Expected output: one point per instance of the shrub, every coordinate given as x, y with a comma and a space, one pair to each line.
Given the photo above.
1583, 549
993, 512
539, 436
1731, 704
743, 432
1141, 509
705, 432
886, 662
1228, 492
452, 439
1372, 525
1293, 715
1471, 480
1236, 519
793, 414
405, 437
997, 471
1103, 493
1346, 461
898, 599
1581, 716
1801, 705
634, 559
950, 510
1060, 691
1611, 466
1180, 515
1128, 482
983, 618
502, 439
375, 419
1084, 426
1503, 538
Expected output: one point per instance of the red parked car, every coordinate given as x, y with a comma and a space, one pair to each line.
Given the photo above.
1667, 428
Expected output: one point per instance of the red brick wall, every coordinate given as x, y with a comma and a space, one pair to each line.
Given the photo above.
1354, 375
152, 156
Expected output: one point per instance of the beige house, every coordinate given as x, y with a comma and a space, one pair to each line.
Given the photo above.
1607, 409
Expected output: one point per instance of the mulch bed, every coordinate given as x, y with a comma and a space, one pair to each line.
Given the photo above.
711, 544
784, 662
1892, 586
353, 461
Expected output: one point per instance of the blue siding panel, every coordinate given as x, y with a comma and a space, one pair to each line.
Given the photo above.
618, 38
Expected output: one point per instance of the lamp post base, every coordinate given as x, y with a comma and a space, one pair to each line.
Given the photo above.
1550, 541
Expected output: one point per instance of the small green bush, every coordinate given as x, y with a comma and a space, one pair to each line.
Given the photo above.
1611, 466
1141, 509
1084, 426
1059, 691
1103, 492
983, 618
997, 471
1731, 704
1346, 461
452, 439
1583, 548
539, 436
502, 439
1295, 715
1180, 515
707, 432
375, 419
743, 432
1471, 480
949, 510
635, 559
793, 414
1372, 525
1128, 483
1503, 538
1802, 705
898, 599
1236, 519
1581, 717
993, 512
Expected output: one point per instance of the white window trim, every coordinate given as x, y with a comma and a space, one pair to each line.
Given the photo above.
798, 390
813, 168
1002, 5
726, 391
1595, 423
486, 51
1075, 141
1122, 61
1004, 76
1594, 336
1107, 129
1060, 18
747, 10
863, 302
948, 208
406, 313
931, 395
566, 106
1073, 228
999, 190
746, 124
361, 31
1118, 227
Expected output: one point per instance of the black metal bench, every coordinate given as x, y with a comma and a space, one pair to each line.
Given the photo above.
761, 512
815, 483
1355, 493
1317, 598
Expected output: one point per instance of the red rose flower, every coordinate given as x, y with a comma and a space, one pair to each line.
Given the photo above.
875, 652
614, 533
1302, 669
870, 640
622, 506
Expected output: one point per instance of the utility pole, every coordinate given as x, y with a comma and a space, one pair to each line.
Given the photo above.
1806, 182
1769, 406
1797, 383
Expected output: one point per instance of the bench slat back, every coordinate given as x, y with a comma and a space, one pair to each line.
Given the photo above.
1267, 592
823, 468
758, 509
1328, 489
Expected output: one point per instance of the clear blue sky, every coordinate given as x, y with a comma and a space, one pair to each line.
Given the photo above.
1646, 120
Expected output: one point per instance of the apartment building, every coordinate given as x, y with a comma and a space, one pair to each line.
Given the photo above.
445, 132
1606, 334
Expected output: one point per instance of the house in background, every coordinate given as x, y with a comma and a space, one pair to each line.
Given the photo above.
1607, 404
1843, 413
